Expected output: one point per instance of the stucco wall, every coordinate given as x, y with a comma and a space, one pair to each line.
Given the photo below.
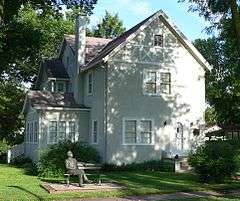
96, 103
185, 104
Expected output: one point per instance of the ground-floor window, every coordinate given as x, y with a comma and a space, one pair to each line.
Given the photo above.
31, 132
137, 131
57, 131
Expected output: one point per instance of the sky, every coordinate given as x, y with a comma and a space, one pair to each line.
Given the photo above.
132, 12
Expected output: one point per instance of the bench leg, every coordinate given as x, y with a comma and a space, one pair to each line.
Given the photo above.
80, 180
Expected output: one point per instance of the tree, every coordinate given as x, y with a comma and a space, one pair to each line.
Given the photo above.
29, 37
9, 8
109, 27
11, 102
222, 83
220, 9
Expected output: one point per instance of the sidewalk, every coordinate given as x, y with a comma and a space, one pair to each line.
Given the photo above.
172, 196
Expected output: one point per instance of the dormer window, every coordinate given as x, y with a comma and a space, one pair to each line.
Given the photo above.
158, 40
60, 87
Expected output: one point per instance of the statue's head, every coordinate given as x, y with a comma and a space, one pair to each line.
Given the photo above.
70, 154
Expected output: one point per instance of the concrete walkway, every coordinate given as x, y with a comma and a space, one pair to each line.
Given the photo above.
172, 196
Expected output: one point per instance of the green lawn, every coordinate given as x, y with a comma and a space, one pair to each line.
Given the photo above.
16, 185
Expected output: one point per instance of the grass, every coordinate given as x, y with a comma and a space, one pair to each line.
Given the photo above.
16, 185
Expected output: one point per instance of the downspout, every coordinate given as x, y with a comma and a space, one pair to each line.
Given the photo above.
105, 112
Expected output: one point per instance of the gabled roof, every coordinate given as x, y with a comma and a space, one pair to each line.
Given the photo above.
117, 43
93, 45
55, 68
45, 99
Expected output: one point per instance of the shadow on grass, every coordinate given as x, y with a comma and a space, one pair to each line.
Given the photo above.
27, 191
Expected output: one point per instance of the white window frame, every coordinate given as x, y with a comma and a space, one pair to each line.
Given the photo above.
58, 130
73, 139
138, 131
89, 93
158, 82
94, 132
154, 37
35, 132
48, 137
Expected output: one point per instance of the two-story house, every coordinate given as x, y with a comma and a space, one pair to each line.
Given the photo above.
138, 97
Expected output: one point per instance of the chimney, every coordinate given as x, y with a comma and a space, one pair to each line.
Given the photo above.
80, 41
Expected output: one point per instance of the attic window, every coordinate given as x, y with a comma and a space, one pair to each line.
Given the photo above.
158, 40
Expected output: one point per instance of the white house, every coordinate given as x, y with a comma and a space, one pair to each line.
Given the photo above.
134, 98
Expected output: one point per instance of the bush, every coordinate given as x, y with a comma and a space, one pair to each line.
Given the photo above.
153, 165
214, 161
52, 161
3, 147
25, 163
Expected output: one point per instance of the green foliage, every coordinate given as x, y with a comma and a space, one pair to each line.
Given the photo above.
28, 38
52, 161
153, 165
9, 8
214, 161
3, 147
210, 116
27, 164
109, 27
11, 102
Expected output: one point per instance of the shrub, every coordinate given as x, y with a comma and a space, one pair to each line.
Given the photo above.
153, 165
214, 161
52, 161
26, 163
3, 147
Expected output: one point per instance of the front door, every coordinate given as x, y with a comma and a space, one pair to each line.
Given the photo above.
179, 137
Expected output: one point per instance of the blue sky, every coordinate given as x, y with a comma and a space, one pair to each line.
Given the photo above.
134, 11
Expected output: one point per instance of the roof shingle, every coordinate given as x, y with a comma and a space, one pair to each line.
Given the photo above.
55, 68
50, 99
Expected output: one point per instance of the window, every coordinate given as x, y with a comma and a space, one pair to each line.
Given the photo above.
158, 40
131, 131
52, 86
72, 131
146, 132
35, 138
90, 83
138, 131
165, 85
151, 82
156, 82
27, 133
52, 134
94, 132
60, 87
61, 131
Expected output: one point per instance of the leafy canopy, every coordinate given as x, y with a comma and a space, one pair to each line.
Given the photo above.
109, 27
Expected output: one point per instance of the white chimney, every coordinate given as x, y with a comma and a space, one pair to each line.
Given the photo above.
80, 40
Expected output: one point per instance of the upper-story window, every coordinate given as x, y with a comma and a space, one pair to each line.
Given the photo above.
156, 82
90, 83
165, 85
60, 87
158, 40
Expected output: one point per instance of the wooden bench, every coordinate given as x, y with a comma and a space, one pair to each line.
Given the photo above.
87, 166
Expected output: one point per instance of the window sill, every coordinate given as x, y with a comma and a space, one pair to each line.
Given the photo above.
159, 95
124, 144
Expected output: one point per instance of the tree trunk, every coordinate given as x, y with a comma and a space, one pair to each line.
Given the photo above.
236, 23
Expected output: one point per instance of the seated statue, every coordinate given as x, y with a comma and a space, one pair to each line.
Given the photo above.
72, 168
